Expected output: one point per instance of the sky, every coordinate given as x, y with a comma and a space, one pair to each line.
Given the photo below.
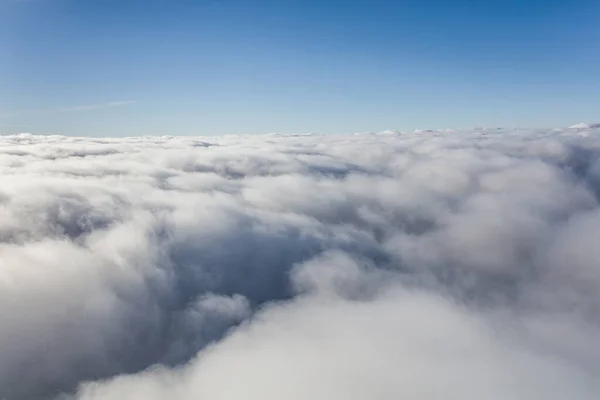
208, 67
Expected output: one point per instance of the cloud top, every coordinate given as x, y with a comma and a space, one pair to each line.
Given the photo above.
417, 265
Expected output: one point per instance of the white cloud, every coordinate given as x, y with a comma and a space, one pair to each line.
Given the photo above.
422, 265
583, 125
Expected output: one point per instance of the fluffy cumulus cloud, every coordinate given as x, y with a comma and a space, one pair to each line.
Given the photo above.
427, 265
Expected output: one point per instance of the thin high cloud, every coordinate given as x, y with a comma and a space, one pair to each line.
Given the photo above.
88, 107
427, 265
96, 106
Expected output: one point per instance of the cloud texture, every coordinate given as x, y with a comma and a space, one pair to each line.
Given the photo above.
457, 265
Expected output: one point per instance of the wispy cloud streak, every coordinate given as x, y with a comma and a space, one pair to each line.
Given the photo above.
87, 107
97, 106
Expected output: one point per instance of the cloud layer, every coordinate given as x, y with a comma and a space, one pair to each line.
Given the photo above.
461, 265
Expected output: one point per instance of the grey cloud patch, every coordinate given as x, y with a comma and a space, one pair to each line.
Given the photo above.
352, 267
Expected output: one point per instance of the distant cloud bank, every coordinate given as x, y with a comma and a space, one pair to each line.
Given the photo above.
389, 266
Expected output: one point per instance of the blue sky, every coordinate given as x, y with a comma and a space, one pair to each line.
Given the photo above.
204, 67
